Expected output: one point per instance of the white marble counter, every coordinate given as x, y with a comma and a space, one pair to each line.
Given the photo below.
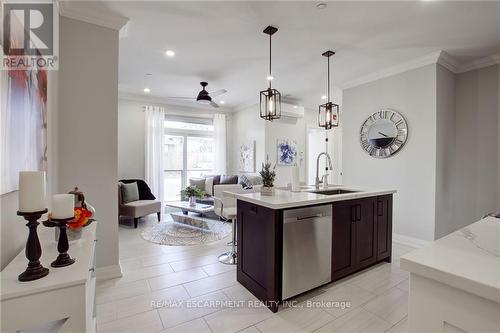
287, 199
467, 259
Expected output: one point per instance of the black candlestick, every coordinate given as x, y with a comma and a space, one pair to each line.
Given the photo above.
63, 259
35, 270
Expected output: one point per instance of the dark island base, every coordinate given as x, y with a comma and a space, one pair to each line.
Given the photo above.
361, 237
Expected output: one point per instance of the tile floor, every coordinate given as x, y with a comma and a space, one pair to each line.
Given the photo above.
185, 289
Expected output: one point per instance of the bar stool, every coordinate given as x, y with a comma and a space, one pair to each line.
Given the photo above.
229, 213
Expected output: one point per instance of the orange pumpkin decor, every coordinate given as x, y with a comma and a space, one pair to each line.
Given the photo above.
81, 219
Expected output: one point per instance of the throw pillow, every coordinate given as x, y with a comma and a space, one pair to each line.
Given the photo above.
244, 181
197, 182
225, 179
130, 192
209, 186
254, 179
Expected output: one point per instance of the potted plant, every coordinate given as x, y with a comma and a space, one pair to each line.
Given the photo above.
268, 176
192, 192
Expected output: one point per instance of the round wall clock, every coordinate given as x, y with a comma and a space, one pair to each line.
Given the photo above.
384, 133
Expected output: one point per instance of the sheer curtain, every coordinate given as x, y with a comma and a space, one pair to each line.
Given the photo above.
220, 144
155, 134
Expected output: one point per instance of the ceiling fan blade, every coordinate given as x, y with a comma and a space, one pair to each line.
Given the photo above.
217, 92
215, 105
182, 98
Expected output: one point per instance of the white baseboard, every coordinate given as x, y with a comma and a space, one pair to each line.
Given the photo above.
409, 241
108, 272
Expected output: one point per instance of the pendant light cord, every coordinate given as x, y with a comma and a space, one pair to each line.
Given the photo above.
270, 48
328, 79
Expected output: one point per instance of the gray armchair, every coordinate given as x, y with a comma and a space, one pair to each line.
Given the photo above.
147, 203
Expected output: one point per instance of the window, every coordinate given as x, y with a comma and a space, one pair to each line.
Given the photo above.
189, 152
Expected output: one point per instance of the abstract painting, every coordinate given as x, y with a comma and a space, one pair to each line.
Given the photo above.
287, 152
23, 125
247, 157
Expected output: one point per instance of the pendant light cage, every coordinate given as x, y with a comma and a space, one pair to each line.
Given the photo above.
270, 98
328, 115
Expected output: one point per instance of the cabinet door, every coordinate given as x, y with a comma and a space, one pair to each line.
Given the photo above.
259, 237
343, 239
384, 227
366, 232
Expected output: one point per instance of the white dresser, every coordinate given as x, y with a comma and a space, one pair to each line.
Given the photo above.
455, 281
65, 297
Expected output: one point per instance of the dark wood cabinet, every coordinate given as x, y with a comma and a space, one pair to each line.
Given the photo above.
260, 238
361, 237
343, 239
384, 228
362, 231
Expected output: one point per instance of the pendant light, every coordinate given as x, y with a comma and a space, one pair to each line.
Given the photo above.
270, 99
328, 116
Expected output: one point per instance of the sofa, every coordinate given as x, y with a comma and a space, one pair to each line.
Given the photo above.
147, 203
215, 185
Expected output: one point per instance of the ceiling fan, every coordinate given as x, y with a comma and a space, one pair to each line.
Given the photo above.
204, 97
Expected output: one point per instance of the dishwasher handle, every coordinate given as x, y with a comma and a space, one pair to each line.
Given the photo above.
300, 218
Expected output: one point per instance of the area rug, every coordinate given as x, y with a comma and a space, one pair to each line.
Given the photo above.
180, 234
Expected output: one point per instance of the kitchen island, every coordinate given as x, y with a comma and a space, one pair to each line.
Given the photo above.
292, 242
455, 281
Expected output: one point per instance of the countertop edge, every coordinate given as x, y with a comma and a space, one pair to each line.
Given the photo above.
474, 287
321, 200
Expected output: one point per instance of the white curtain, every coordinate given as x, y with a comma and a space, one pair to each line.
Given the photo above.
220, 144
155, 134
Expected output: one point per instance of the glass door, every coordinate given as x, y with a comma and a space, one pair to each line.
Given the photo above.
174, 167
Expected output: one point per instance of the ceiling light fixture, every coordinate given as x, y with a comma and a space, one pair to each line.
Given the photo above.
222, 102
270, 99
147, 90
328, 116
170, 53
321, 5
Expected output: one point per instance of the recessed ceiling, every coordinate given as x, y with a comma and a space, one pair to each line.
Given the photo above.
223, 43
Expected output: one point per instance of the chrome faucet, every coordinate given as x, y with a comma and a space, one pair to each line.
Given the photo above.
324, 178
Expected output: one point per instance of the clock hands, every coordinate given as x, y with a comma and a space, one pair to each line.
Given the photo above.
385, 135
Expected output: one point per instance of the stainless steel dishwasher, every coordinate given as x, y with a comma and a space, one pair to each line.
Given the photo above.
307, 249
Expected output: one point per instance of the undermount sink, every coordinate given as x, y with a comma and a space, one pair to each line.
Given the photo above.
333, 191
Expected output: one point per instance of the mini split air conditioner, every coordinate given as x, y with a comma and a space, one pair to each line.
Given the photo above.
292, 111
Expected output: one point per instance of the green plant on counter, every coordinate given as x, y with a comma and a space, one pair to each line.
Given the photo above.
268, 174
192, 191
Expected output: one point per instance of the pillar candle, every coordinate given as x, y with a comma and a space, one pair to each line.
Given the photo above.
32, 191
63, 206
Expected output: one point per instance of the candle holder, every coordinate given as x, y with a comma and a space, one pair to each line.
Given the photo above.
35, 270
63, 259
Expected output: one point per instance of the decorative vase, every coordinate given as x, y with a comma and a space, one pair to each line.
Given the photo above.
73, 234
264, 190
192, 201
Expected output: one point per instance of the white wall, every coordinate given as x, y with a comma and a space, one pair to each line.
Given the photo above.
476, 149
88, 118
412, 170
131, 131
246, 126
445, 150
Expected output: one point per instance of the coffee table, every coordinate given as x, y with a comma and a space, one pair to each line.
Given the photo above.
197, 218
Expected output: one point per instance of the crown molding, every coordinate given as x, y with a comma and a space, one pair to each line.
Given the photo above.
480, 63
439, 57
431, 58
79, 11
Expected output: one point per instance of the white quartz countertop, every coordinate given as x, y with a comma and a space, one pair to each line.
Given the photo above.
286, 199
467, 259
